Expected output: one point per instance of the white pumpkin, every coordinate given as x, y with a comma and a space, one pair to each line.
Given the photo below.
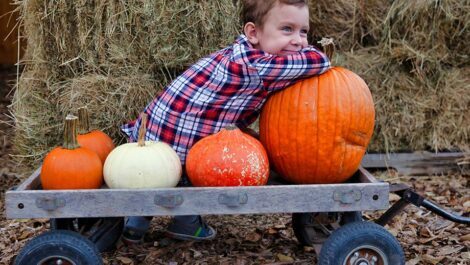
145, 164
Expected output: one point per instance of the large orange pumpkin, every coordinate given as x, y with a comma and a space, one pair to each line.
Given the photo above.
317, 130
227, 158
95, 140
71, 166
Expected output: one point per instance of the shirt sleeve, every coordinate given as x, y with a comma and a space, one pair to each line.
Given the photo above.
277, 72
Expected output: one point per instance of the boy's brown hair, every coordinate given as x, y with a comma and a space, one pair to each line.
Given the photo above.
256, 10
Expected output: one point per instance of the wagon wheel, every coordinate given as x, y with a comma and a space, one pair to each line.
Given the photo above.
103, 232
59, 247
361, 243
314, 228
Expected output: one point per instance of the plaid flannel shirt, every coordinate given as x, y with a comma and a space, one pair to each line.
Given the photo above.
227, 87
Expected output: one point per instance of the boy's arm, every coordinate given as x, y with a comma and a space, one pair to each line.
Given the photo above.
281, 71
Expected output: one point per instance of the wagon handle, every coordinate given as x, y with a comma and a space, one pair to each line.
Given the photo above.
408, 195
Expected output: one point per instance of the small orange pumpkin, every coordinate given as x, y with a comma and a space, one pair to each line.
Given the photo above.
317, 130
95, 140
71, 166
227, 158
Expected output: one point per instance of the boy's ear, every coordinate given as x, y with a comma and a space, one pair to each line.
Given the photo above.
250, 32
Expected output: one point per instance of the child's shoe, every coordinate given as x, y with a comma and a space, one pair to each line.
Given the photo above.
135, 228
191, 228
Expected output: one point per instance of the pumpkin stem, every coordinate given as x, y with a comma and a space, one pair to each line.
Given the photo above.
142, 130
70, 132
231, 127
328, 47
83, 121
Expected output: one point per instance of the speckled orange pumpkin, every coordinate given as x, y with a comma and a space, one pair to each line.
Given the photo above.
317, 130
227, 158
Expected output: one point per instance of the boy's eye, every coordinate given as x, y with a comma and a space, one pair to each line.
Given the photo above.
286, 29
304, 31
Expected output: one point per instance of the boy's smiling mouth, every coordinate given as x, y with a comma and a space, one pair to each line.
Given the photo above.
287, 52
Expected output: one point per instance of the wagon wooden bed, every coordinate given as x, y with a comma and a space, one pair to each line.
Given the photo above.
327, 216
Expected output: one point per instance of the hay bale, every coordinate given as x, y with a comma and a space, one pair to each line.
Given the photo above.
35, 118
353, 24
171, 35
40, 108
111, 100
428, 36
412, 114
51, 37
78, 37
450, 124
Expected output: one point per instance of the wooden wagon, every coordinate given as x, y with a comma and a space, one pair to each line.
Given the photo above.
327, 216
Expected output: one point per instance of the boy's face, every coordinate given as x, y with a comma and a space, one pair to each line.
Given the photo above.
284, 31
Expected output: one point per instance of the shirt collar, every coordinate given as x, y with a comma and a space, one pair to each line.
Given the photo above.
243, 40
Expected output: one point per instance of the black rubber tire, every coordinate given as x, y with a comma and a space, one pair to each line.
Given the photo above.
302, 225
103, 232
65, 244
360, 236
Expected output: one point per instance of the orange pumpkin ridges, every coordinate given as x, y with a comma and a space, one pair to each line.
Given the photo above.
95, 140
71, 166
227, 158
317, 130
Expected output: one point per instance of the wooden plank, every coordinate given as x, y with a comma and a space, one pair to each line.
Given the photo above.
197, 200
365, 176
362, 175
418, 163
32, 182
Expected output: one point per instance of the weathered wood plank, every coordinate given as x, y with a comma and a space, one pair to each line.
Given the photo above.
418, 163
365, 176
32, 182
196, 200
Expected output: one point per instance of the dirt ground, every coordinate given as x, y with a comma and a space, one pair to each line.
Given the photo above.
255, 239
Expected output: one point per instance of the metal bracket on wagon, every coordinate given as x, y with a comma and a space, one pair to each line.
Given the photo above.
347, 197
233, 200
168, 201
50, 204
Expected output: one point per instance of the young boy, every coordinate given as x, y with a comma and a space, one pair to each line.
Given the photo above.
229, 87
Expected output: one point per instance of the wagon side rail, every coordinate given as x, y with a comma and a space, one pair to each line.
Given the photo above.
28, 202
